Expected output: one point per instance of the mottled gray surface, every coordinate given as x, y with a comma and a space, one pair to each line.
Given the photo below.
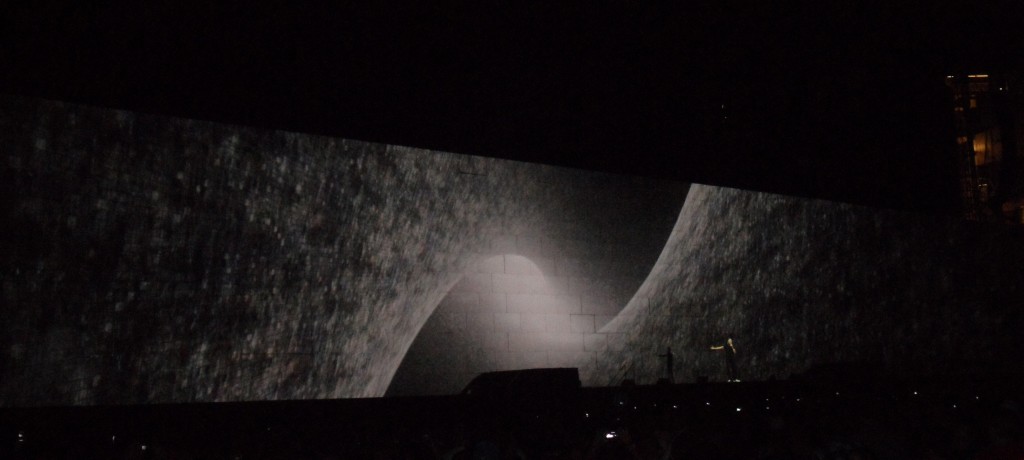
149, 259
800, 282
152, 259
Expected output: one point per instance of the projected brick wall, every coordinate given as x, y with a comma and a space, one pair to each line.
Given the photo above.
155, 259
538, 297
798, 283
151, 259
540, 304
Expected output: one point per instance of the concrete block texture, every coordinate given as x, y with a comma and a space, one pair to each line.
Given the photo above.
489, 340
534, 322
607, 305
534, 265
503, 244
595, 342
460, 301
571, 358
582, 324
475, 282
492, 264
507, 322
545, 341
531, 284
530, 360
536, 246
544, 303
480, 321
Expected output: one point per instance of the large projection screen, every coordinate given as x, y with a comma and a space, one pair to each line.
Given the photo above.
149, 259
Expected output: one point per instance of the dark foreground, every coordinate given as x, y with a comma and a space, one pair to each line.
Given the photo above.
938, 418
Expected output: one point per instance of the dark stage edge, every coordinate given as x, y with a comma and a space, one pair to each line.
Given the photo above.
880, 418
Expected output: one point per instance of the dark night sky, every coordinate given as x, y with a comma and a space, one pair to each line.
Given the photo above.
841, 102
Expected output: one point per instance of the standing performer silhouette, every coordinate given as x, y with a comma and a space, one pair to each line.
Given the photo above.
730, 359
668, 364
